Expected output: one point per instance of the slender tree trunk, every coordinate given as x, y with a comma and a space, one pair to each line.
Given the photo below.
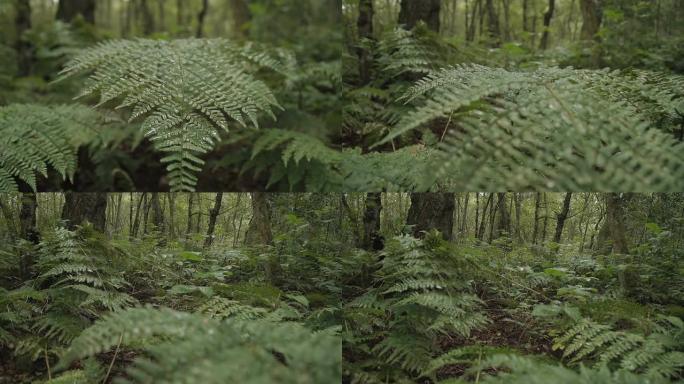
548, 15
28, 230
432, 211
82, 207
353, 219
371, 220
172, 214
213, 214
188, 229
504, 224
9, 219
22, 23
148, 20
464, 220
117, 216
525, 7
546, 218
136, 222
477, 213
518, 212
493, 28
157, 213
561, 217
413, 11
537, 205
200, 18
365, 28
481, 231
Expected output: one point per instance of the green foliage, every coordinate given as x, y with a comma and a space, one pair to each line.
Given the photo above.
186, 91
37, 137
556, 129
417, 300
193, 348
658, 354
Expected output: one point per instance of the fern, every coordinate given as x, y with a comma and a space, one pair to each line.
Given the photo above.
418, 299
523, 369
659, 353
37, 137
193, 348
186, 91
556, 129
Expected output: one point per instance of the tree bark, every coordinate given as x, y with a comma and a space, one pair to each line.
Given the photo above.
158, 216
241, 17
67, 10
548, 15
371, 220
592, 17
504, 224
614, 227
561, 217
537, 204
432, 211
148, 20
28, 231
493, 27
85, 207
365, 28
259, 234
22, 23
9, 218
413, 11
213, 214
188, 229
200, 18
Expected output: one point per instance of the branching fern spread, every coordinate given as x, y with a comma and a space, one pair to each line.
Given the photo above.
658, 354
187, 91
556, 129
193, 348
418, 299
35, 137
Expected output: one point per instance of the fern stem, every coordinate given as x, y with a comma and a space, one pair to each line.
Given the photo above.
47, 363
111, 364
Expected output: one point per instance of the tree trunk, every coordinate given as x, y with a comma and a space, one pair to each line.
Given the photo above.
9, 218
22, 23
241, 17
259, 234
371, 221
67, 10
503, 226
157, 213
493, 27
365, 28
592, 17
548, 15
82, 207
518, 213
148, 20
172, 214
200, 18
136, 222
525, 7
259, 228
28, 231
188, 229
481, 230
613, 229
561, 217
413, 11
432, 211
537, 204
213, 214
546, 218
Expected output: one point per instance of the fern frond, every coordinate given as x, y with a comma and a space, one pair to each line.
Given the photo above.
186, 91
37, 137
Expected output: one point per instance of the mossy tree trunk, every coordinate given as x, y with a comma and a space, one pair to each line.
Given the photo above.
432, 211
85, 207
413, 11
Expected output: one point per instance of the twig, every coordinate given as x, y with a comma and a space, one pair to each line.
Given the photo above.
111, 364
446, 128
47, 363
